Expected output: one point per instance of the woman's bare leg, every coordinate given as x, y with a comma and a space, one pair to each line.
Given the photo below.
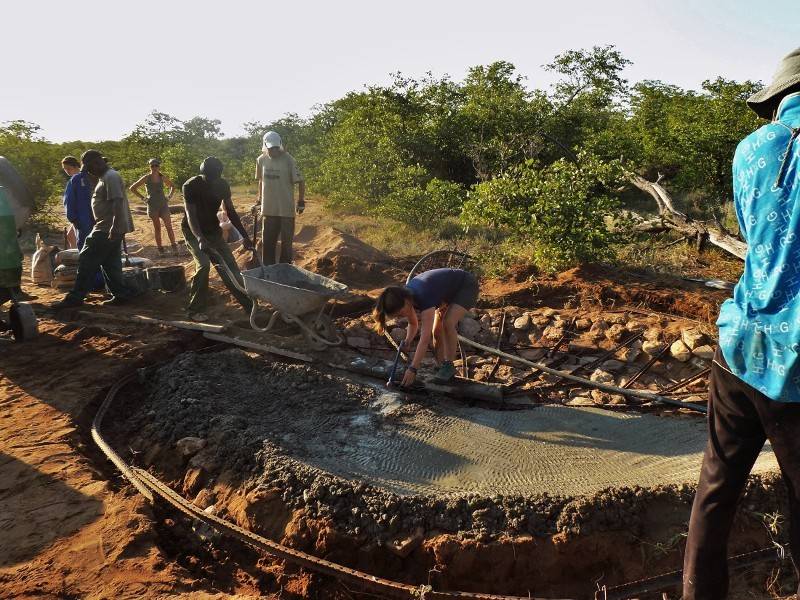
438, 335
157, 231
451, 319
168, 224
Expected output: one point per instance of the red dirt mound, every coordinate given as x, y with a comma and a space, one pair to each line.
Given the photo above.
344, 257
599, 285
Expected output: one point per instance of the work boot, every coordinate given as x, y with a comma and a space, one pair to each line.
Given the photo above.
198, 317
160, 251
445, 373
67, 302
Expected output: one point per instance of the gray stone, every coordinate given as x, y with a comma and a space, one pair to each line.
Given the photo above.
580, 401
469, 327
601, 376
398, 334
632, 352
522, 323
616, 332
705, 352
652, 335
652, 347
680, 351
693, 338
486, 322
612, 365
358, 342
189, 446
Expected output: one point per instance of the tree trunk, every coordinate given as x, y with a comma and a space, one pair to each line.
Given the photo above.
669, 218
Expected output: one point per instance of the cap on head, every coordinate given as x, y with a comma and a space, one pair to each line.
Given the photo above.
272, 140
89, 157
211, 167
154, 162
786, 77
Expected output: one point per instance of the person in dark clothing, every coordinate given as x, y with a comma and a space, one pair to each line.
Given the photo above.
103, 246
443, 296
754, 387
203, 194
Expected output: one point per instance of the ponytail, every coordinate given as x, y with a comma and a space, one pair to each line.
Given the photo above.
390, 302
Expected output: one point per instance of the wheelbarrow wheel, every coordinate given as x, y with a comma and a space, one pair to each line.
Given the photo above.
22, 321
320, 326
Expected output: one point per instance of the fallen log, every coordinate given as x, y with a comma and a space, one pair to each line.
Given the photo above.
670, 218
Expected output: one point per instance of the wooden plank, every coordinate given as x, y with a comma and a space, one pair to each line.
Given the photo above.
259, 347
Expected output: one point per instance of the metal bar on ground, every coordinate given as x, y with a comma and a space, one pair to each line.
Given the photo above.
643, 394
496, 364
609, 353
649, 364
260, 347
687, 381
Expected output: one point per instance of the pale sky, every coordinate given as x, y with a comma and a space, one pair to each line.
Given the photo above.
92, 70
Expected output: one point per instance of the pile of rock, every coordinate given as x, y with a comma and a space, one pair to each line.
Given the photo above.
693, 342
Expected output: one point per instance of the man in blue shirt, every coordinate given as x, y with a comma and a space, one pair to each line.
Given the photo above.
754, 388
78, 198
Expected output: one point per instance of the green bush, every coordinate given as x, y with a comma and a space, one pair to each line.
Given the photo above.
415, 198
559, 209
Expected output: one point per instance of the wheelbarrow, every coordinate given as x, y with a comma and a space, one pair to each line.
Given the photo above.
296, 295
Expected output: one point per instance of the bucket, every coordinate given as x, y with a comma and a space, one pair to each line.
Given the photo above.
135, 279
169, 279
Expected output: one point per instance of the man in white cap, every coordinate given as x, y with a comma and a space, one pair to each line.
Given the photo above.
277, 174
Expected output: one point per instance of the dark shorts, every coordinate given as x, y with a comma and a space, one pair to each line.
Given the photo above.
467, 294
157, 208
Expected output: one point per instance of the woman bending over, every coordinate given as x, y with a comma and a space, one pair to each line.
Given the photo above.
442, 297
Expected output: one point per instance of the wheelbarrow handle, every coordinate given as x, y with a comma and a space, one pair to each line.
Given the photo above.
221, 264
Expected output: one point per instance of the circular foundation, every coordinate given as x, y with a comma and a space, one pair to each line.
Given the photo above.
354, 430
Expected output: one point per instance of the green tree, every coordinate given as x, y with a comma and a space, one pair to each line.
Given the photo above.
559, 209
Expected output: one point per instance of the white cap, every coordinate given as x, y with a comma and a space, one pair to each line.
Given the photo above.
272, 140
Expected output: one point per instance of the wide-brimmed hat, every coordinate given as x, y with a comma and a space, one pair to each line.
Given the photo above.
787, 76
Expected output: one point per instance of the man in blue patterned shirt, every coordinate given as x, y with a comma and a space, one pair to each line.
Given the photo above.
754, 389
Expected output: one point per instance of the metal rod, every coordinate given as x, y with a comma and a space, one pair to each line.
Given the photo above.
606, 355
643, 394
649, 364
499, 340
687, 381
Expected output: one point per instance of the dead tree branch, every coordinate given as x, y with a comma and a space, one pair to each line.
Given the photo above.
670, 218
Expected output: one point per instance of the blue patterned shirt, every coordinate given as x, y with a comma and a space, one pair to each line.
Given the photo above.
759, 328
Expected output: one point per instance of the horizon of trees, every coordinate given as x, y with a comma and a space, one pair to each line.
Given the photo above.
544, 166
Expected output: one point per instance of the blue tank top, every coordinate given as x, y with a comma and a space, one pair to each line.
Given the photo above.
435, 287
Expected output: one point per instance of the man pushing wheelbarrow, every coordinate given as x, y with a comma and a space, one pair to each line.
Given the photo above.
203, 194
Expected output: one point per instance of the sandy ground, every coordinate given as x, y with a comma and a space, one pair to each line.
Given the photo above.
69, 526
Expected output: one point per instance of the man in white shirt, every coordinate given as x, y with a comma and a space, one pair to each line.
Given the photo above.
277, 174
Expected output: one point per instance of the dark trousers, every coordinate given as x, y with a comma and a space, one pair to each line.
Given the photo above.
740, 420
100, 252
271, 229
198, 292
